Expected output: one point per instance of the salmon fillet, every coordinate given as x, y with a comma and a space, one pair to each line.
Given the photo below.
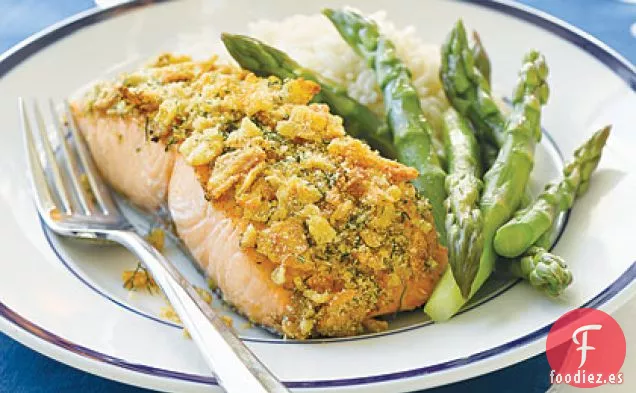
302, 228
213, 240
137, 169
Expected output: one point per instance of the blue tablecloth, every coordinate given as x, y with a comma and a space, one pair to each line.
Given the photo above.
25, 371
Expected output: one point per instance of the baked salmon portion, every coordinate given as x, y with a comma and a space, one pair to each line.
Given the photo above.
302, 228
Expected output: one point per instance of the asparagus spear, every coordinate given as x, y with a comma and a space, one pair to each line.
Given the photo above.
468, 90
463, 184
528, 224
489, 151
411, 131
482, 61
265, 60
544, 271
545, 240
505, 181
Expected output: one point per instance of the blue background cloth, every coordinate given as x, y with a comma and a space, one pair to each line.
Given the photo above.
25, 371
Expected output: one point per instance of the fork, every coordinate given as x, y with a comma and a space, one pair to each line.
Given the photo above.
66, 206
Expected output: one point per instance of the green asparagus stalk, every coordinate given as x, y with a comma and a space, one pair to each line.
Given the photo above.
489, 151
482, 61
464, 222
265, 60
545, 271
505, 181
411, 131
468, 90
529, 224
546, 240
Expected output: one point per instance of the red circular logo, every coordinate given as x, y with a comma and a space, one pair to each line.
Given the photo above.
586, 348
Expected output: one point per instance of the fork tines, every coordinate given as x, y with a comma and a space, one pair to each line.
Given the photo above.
75, 190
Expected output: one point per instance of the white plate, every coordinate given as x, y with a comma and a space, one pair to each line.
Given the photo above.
65, 299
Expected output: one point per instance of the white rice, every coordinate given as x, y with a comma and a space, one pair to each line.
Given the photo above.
315, 43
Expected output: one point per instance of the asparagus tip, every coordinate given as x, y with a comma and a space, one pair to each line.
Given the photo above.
531, 56
547, 272
459, 25
604, 133
328, 12
476, 37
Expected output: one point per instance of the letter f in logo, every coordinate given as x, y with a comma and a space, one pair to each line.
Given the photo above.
583, 345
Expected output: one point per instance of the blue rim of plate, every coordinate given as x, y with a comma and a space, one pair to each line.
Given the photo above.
620, 66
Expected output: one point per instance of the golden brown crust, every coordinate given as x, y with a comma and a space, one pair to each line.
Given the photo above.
341, 226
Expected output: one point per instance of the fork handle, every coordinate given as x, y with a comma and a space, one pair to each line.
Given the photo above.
236, 368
